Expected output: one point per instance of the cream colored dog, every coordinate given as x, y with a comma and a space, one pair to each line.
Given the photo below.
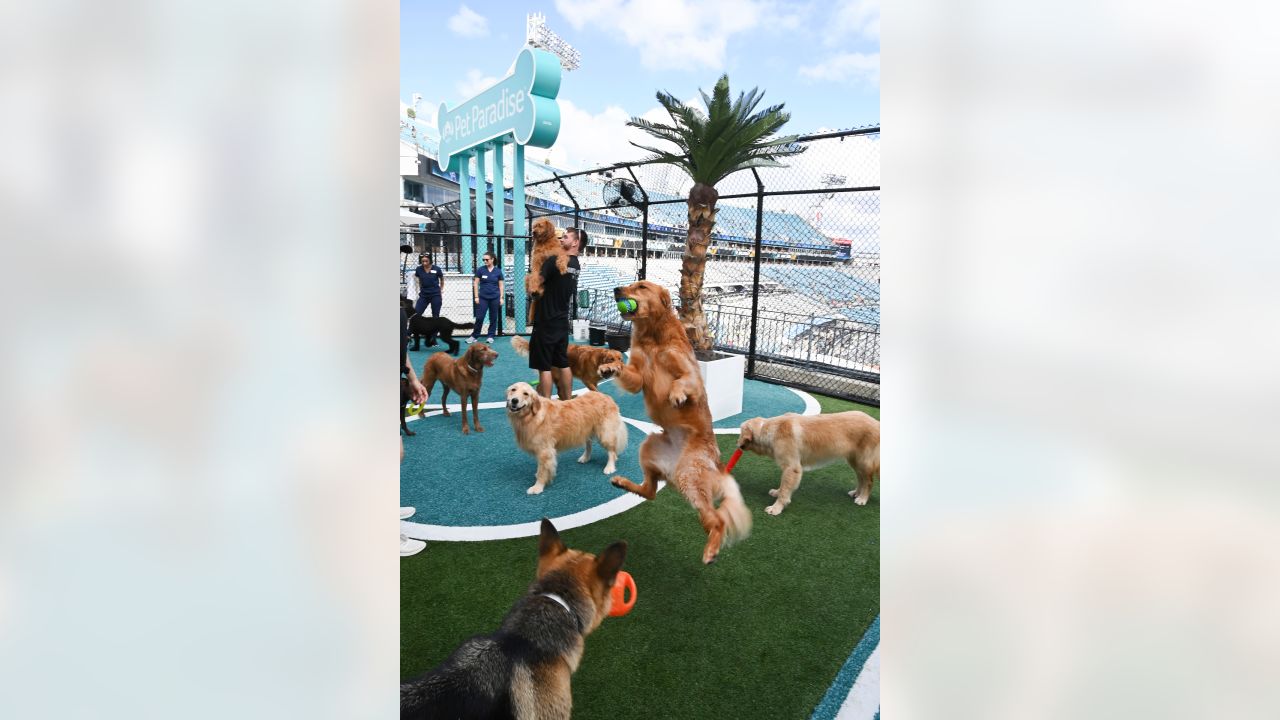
545, 427
806, 442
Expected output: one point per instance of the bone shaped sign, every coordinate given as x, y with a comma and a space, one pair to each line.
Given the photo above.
522, 104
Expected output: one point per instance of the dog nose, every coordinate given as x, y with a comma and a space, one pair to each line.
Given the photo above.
617, 293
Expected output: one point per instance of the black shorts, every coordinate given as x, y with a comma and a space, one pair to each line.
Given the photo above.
549, 349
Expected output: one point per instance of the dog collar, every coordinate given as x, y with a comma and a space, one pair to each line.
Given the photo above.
565, 605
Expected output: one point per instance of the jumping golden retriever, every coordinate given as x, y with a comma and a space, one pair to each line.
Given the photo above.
588, 364
545, 427
806, 442
685, 452
463, 375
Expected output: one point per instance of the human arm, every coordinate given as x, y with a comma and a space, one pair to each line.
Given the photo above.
439, 278
475, 290
415, 385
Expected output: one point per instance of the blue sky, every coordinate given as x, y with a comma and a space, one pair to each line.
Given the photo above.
820, 58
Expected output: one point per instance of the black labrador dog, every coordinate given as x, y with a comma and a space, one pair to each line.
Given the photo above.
432, 327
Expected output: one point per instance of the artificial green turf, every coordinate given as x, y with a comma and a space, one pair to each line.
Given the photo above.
759, 634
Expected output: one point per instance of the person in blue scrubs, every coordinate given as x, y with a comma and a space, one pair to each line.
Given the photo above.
486, 295
430, 286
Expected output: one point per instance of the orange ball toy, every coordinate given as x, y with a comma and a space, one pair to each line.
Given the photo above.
621, 585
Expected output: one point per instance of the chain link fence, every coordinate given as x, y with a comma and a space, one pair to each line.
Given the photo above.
792, 277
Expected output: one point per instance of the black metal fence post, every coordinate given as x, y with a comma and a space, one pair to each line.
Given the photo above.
755, 285
644, 226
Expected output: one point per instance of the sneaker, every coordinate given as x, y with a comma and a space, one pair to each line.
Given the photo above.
471, 340
409, 546
406, 513
489, 340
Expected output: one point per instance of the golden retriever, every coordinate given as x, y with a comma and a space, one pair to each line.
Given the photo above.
805, 442
463, 375
545, 427
685, 452
588, 364
546, 243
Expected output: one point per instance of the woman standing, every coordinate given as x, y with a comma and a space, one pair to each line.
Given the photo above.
430, 286
486, 295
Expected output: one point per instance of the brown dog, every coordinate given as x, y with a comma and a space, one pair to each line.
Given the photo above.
806, 442
588, 364
462, 375
545, 244
545, 427
685, 452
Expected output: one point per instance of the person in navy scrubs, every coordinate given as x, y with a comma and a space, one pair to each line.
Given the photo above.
486, 295
430, 286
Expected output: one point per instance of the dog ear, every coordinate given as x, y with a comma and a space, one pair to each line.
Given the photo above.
549, 544
610, 562
665, 296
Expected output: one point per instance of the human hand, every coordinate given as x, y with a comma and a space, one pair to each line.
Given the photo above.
418, 391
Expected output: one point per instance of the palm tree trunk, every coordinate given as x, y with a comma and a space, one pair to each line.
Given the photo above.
702, 219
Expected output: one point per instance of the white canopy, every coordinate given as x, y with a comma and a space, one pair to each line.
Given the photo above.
412, 218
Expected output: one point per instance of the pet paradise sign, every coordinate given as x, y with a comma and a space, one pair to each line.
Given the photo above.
522, 104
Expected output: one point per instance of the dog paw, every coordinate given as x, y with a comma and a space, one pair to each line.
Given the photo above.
535, 490
709, 557
609, 468
861, 500
446, 413
466, 430
677, 398
479, 429
774, 493
617, 481
774, 509
584, 459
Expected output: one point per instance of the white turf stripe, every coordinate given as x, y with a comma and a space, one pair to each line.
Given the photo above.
473, 533
863, 701
503, 532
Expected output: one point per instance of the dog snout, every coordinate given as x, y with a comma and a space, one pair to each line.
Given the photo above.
618, 293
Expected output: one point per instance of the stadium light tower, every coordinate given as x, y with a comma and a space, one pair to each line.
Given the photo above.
829, 180
538, 35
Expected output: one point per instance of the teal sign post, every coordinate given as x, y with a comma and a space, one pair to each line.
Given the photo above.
520, 109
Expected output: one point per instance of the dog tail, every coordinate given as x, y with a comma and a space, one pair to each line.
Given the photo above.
463, 326
619, 434
520, 345
734, 512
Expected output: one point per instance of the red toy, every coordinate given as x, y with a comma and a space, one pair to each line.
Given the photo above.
623, 583
733, 460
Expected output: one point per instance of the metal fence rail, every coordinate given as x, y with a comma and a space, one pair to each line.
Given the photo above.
792, 277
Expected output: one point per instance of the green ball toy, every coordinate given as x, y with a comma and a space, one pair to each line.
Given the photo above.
627, 305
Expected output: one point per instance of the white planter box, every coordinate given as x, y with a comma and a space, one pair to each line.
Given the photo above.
723, 378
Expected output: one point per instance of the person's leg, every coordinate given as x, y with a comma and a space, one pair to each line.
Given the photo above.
435, 304
420, 305
544, 383
495, 316
564, 382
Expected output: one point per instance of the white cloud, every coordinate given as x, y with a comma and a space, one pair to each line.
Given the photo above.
854, 19
589, 140
472, 83
851, 67
670, 34
469, 23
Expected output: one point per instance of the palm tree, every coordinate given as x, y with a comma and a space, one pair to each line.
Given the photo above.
710, 146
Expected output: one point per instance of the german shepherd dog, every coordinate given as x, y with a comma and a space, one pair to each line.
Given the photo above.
523, 670
430, 327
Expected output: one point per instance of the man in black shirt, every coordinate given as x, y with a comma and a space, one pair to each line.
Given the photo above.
549, 344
